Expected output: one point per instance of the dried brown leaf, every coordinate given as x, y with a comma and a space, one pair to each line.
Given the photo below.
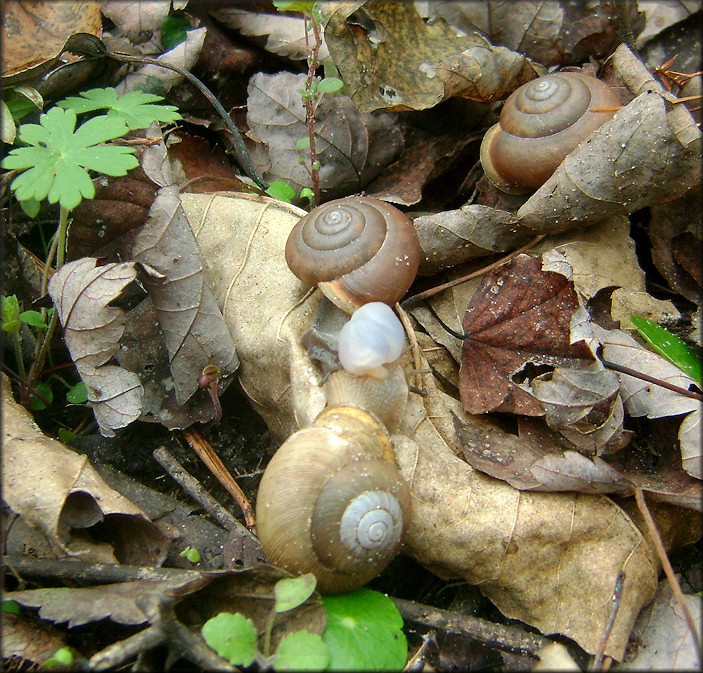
520, 314
82, 293
192, 325
58, 492
391, 59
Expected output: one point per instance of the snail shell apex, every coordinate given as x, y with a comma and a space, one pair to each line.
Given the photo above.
332, 501
540, 123
356, 250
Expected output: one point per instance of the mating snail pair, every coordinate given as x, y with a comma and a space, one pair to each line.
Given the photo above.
332, 501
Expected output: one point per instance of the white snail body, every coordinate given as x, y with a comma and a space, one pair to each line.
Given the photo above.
356, 250
540, 123
372, 338
332, 501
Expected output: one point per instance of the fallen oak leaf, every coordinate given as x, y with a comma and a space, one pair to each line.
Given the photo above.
82, 292
520, 314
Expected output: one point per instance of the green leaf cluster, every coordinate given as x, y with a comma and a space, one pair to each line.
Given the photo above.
57, 156
363, 632
11, 317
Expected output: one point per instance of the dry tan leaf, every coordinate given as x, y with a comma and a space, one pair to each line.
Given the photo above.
531, 553
138, 20
58, 492
192, 325
24, 638
285, 35
153, 79
352, 148
82, 293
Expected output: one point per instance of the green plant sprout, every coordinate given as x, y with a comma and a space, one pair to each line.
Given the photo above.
55, 158
669, 346
62, 657
363, 632
191, 553
314, 89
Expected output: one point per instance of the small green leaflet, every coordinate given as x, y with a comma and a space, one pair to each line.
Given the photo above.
668, 345
301, 651
60, 156
281, 191
232, 636
364, 632
134, 107
290, 593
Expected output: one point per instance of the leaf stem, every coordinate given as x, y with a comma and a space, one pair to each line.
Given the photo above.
651, 379
310, 104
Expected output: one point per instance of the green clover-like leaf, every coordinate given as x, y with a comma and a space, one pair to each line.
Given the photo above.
57, 159
134, 107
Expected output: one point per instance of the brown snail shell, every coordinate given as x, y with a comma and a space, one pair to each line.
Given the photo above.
332, 501
540, 123
356, 250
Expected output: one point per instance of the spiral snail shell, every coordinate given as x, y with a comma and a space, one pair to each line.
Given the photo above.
540, 123
356, 250
332, 501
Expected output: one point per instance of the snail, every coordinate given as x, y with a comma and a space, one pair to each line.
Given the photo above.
372, 338
540, 123
356, 250
332, 501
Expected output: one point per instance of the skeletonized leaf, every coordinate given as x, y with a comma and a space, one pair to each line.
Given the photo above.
82, 293
193, 329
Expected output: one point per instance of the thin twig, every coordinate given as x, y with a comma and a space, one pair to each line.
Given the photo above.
207, 454
412, 301
122, 651
195, 490
666, 566
651, 379
505, 638
240, 148
615, 608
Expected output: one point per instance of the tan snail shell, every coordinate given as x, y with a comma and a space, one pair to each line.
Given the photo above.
540, 123
356, 250
332, 501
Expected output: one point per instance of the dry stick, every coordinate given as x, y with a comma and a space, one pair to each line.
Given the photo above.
310, 106
207, 454
505, 638
411, 301
666, 565
122, 651
651, 379
195, 489
617, 598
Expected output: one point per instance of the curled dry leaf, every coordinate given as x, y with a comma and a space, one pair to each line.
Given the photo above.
137, 20
82, 293
352, 148
531, 553
648, 153
371, 42
191, 323
58, 492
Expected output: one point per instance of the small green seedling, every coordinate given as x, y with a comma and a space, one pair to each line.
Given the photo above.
668, 345
191, 553
62, 657
363, 632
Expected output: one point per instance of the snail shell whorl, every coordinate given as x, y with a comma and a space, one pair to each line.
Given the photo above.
540, 123
357, 250
332, 501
